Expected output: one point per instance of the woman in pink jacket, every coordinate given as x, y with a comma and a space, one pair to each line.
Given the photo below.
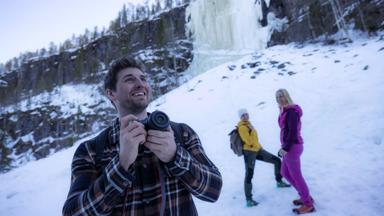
291, 150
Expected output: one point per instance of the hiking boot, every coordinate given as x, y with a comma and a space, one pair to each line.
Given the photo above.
251, 203
281, 184
298, 202
304, 209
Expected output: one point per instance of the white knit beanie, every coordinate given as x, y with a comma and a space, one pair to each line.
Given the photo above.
242, 111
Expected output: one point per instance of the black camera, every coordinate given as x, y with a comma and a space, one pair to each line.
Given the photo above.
156, 121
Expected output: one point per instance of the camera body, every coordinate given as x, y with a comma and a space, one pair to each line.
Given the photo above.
157, 120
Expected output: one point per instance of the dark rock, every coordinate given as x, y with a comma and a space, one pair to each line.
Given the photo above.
273, 62
21, 146
280, 66
232, 67
253, 77
261, 103
256, 56
330, 42
381, 49
337, 61
290, 73
253, 64
366, 67
264, 9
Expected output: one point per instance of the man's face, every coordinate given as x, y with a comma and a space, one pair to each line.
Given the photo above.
132, 93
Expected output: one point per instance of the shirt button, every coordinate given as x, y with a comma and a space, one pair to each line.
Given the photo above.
145, 165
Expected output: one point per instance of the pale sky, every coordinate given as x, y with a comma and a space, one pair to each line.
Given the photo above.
28, 25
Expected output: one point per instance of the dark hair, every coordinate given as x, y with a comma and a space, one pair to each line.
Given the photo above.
116, 66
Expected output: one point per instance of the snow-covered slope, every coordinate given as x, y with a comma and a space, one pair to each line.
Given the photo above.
339, 88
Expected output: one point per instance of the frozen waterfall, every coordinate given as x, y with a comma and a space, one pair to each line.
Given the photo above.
224, 30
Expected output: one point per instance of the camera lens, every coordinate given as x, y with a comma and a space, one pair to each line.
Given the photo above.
158, 121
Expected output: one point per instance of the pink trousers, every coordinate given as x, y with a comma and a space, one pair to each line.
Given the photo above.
291, 170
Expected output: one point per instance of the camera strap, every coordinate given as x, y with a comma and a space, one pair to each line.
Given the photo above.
181, 136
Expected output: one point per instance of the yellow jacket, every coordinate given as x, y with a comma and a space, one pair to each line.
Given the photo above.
249, 136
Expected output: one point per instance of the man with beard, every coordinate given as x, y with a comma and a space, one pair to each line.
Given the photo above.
129, 170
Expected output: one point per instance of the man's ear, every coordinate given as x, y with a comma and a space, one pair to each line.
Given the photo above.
110, 94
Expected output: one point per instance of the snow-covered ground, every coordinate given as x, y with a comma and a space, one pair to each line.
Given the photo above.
340, 89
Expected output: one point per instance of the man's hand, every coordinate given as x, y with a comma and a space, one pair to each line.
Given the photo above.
132, 134
162, 144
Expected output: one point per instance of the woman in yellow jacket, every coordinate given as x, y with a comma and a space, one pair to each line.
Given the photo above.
252, 151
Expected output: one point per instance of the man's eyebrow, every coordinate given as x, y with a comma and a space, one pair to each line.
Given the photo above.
131, 75
127, 75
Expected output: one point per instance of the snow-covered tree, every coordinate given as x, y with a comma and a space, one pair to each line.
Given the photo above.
131, 12
74, 40
2, 68
87, 36
52, 49
95, 33
42, 52
339, 17
66, 45
124, 16
168, 4
15, 63
8, 65
158, 6
114, 25
102, 33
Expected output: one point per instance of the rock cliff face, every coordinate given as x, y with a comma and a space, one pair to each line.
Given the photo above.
309, 19
162, 40
32, 127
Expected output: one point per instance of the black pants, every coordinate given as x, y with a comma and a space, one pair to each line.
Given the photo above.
250, 158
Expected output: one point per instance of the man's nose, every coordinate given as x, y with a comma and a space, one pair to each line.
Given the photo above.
139, 83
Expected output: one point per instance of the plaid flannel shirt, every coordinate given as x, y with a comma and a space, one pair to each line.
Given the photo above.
149, 187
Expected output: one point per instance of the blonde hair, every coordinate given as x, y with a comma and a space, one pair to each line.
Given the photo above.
285, 93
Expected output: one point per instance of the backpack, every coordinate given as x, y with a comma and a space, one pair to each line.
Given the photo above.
236, 142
